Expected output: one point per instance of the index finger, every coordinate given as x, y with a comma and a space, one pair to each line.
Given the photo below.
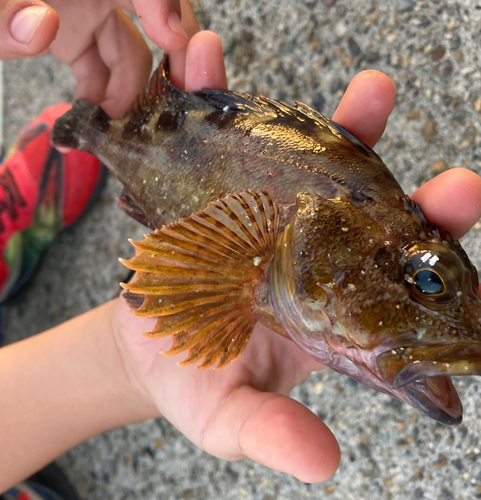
177, 58
123, 50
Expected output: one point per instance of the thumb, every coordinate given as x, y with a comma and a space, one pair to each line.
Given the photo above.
273, 430
26, 28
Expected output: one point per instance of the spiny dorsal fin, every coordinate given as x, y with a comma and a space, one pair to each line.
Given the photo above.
158, 86
227, 101
199, 275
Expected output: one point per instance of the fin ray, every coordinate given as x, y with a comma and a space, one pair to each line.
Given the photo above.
198, 277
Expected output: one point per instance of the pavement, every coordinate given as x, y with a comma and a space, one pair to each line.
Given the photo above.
431, 49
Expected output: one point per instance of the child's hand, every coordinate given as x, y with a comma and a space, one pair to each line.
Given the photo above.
81, 386
243, 410
97, 372
106, 52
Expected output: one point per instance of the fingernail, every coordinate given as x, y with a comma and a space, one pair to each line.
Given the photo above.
175, 24
26, 22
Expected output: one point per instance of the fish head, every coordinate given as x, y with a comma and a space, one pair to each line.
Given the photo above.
382, 297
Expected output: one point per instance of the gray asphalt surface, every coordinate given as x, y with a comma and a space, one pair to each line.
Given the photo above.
309, 52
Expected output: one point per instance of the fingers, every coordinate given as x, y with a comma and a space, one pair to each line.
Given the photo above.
204, 63
114, 71
162, 23
177, 57
452, 200
275, 431
128, 58
26, 28
189, 21
92, 75
366, 106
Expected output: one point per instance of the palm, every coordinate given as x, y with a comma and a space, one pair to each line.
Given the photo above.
270, 363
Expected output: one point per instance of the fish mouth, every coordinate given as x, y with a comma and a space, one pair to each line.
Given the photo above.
423, 374
437, 398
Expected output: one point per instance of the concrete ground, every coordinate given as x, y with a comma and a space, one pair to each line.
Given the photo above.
310, 52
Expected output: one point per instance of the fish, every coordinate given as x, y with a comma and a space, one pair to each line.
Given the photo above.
261, 211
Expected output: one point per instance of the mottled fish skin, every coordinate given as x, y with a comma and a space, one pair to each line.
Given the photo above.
175, 152
308, 232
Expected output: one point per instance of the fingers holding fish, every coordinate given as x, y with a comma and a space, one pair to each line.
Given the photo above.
275, 431
177, 57
27, 28
201, 63
88, 64
126, 57
452, 200
204, 63
107, 53
104, 49
365, 107
215, 267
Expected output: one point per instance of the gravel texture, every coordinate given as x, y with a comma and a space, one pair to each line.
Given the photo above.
431, 49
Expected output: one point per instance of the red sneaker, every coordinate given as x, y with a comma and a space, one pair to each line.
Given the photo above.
42, 191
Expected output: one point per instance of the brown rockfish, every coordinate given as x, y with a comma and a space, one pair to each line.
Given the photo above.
267, 212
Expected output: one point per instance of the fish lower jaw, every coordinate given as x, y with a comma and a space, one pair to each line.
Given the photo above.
437, 398
420, 375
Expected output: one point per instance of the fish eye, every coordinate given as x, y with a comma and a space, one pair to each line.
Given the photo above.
429, 282
433, 273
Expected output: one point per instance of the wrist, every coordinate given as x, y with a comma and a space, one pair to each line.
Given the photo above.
76, 386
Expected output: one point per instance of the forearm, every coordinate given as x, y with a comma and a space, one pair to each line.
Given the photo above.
60, 388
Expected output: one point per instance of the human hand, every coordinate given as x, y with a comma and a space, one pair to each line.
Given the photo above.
106, 52
243, 410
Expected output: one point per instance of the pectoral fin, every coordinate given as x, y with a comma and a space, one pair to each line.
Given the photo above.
199, 275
